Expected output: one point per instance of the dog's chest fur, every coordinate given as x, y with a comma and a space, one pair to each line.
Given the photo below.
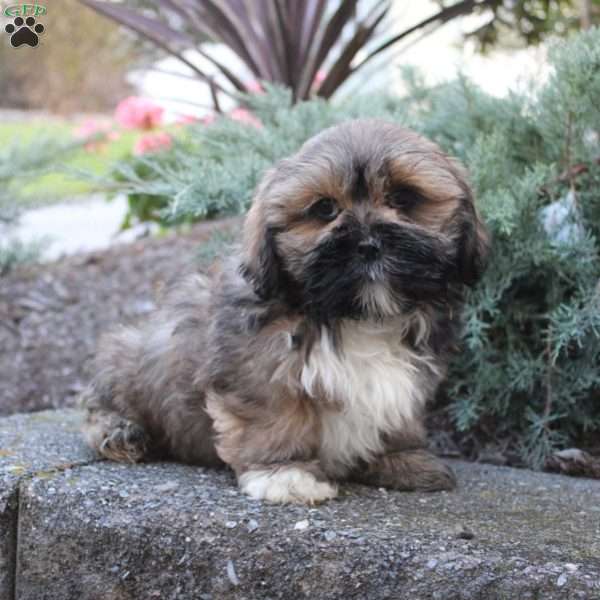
373, 385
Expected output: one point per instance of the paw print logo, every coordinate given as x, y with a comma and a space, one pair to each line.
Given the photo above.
24, 32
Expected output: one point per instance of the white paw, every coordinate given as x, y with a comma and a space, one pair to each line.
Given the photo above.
286, 485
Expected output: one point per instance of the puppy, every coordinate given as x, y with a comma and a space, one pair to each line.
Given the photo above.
309, 357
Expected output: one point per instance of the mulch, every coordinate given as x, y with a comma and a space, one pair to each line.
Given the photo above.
52, 315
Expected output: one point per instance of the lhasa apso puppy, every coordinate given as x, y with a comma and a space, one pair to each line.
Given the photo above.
309, 357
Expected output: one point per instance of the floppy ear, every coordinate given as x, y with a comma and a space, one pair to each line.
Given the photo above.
472, 245
261, 265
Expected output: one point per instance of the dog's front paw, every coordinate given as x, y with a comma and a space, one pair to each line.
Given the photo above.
286, 485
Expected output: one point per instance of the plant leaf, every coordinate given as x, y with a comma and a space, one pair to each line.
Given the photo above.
341, 69
323, 45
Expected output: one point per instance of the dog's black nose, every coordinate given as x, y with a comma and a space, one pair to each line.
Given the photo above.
370, 249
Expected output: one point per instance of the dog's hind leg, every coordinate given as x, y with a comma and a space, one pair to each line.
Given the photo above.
115, 437
407, 470
112, 427
142, 403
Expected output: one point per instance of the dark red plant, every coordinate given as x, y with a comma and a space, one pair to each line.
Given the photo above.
280, 41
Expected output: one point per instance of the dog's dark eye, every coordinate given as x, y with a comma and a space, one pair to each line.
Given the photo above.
325, 209
403, 198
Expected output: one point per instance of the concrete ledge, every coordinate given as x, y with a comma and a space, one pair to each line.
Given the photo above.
94, 530
32, 446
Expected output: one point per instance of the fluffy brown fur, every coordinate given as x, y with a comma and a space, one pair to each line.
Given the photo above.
309, 357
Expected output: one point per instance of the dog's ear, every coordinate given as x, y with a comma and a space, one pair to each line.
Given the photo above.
261, 264
472, 244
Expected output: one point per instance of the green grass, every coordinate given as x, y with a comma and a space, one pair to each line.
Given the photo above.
65, 180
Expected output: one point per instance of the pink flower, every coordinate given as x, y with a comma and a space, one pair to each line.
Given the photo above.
152, 142
138, 113
208, 119
244, 116
187, 120
320, 77
98, 132
255, 87
91, 127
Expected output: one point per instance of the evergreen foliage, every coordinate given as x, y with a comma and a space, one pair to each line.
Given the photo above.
529, 372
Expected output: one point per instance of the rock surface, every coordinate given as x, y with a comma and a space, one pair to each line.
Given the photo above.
116, 532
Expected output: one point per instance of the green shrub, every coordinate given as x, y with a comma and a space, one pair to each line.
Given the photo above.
141, 206
213, 170
529, 372
18, 163
14, 253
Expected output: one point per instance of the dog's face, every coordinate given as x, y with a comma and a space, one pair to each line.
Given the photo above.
367, 220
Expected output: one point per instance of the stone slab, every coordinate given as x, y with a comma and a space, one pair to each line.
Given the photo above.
32, 445
118, 532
